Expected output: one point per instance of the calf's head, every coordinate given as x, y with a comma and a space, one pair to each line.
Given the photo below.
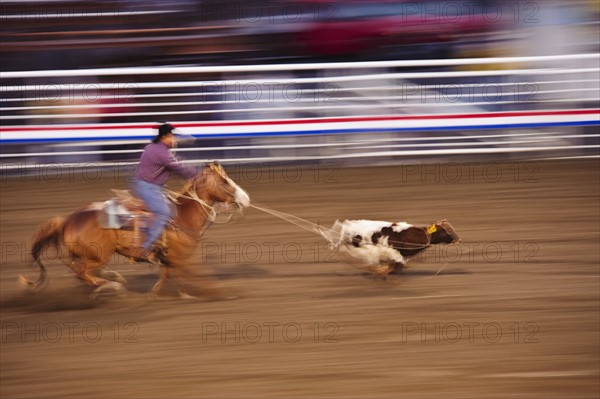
443, 232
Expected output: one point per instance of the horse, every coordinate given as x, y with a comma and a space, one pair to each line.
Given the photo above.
86, 246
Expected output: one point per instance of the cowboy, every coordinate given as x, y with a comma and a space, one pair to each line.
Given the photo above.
155, 167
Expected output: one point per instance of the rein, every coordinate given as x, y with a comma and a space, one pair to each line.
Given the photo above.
191, 194
211, 213
209, 210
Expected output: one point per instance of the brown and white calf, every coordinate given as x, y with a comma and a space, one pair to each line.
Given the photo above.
385, 247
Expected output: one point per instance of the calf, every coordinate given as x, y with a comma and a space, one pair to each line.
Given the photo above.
385, 247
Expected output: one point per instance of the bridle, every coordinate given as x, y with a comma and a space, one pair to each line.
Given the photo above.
192, 194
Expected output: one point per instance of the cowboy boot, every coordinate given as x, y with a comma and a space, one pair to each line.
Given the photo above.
149, 255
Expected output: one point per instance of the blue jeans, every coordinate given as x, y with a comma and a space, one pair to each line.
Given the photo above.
156, 202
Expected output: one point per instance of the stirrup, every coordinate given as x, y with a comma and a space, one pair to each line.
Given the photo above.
154, 258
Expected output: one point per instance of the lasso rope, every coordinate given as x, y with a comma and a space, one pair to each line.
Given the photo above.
298, 221
325, 232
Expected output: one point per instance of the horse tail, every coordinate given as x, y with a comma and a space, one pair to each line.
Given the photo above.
48, 234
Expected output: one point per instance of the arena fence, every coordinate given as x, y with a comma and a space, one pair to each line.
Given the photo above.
388, 110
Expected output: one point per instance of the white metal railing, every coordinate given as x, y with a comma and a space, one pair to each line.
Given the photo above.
326, 110
296, 67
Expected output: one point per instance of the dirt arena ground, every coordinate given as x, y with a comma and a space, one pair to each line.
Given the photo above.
513, 314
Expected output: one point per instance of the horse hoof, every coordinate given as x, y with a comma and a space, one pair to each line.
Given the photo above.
156, 289
183, 295
118, 288
31, 285
111, 285
155, 296
113, 276
121, 280
24, 281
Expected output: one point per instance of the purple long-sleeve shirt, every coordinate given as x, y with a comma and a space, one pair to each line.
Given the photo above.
157, 163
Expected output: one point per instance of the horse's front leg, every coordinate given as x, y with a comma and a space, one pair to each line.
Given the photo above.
192, 283
164, 275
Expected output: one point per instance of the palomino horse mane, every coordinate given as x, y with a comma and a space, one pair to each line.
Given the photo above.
203, 178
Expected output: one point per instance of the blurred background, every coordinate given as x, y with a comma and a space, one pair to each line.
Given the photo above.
87, 34
325, 110
426, 79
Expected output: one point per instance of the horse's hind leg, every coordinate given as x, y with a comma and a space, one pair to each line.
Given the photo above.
83, 271
111, 275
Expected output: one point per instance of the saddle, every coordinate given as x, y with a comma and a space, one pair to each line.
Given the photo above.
128, 213
123, 211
